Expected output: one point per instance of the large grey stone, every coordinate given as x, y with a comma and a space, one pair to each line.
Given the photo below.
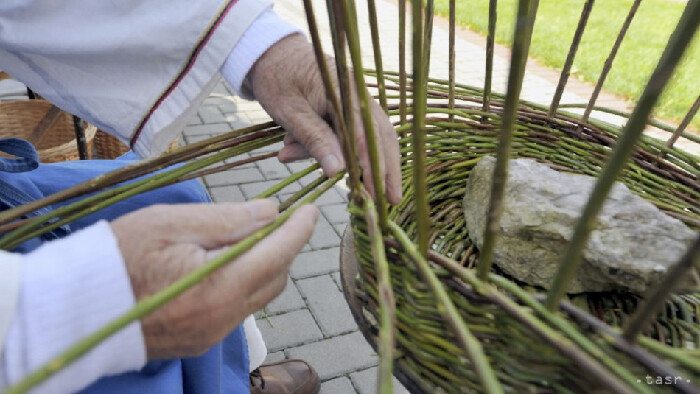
632, 245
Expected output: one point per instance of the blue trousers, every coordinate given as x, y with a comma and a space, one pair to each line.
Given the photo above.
223, 369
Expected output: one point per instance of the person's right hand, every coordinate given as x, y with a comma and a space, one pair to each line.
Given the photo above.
163, 243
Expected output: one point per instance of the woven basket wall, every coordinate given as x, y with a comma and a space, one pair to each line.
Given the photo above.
108, 147
19, 118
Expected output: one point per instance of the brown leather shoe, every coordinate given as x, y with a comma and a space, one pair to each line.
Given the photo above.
285, 377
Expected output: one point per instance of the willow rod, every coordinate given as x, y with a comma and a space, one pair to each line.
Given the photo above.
632, 131
353, 37
566, 71
377, 50
133, 171
527, 10
346, 144
418, 156
686, 121
658, 294
490, 43
151, 303
86, 206
387, 304
451, 50
451, 316
428, 34
403, 82
611, 57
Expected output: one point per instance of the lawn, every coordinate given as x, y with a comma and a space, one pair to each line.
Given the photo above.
639, 53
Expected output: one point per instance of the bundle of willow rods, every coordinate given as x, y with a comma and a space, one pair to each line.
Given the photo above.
426, 348
202, 158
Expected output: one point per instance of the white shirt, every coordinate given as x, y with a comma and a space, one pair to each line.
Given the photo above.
137, 69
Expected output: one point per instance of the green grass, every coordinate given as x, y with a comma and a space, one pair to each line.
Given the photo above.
638, 55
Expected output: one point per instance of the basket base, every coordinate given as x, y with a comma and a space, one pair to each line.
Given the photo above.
348, 278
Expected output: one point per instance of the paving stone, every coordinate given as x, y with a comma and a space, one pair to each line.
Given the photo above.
191, 139
337, 356
218, 100
299, 165
314, 263
288, 330
288, 300
339, 385
236, 117
230, 193
274, 357
222, 89
273, 169
324, 236
328, 305
258, 116
211, 114
338, 280
251, 190
234, 177
212, 128
336, 213
332, 196
366, 382
340, 229
194, 120
268, 148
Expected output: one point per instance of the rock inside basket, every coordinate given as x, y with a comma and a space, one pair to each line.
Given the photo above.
631, 248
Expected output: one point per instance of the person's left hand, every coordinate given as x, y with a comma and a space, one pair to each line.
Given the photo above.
288, 84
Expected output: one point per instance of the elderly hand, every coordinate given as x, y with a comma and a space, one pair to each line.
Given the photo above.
288, 84
163, 243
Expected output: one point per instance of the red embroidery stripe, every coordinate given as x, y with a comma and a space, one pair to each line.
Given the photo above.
188, 66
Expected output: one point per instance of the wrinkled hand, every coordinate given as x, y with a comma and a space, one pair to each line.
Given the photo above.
163, 243
288, 84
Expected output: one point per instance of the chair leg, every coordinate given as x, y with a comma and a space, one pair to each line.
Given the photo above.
80, 138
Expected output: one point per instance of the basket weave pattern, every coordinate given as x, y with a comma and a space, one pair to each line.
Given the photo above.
19, 118
427, 351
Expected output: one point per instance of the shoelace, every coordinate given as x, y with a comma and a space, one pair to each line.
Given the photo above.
255, 374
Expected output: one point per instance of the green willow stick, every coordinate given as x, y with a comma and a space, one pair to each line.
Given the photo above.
490, 43
428, 34
657, 296
686, 121
288, 181
151, 303
568, 346
632, 131
611, 57
350, 157
527, 10
419, 105
387, 304
338, 36
377, 49
353, 37
132, 171
451, 55
464, 337
91, 204
402, 63
566, 70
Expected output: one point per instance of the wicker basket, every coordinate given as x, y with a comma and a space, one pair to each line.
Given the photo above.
429, 361
109, 147
20, 118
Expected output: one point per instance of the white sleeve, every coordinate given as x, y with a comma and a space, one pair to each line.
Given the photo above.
69, 289
136, 69
267, 29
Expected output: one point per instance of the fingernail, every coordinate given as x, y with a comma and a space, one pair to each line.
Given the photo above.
331, 165
262, 210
